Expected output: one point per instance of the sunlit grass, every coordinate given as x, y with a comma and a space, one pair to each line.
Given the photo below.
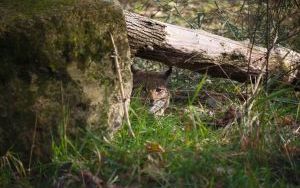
182, 149
178, 151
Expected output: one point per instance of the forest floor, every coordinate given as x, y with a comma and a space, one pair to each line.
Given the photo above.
216, 133
213, 141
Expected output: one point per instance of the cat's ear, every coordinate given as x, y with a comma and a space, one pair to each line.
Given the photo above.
134, 69
168, 73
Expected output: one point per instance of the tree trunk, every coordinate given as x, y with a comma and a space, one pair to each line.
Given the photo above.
204, 52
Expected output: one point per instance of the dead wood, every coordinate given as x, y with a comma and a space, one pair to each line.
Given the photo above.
203, 52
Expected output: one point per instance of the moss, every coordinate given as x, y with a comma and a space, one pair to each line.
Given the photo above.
55, 66
32, 7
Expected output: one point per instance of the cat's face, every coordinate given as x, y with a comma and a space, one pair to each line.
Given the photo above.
154, 86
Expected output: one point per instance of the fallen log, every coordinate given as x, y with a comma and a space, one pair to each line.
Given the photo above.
203, 52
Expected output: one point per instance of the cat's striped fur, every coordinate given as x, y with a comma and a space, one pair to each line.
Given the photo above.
154, 88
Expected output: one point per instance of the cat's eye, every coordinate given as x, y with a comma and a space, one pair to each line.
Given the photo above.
158, 90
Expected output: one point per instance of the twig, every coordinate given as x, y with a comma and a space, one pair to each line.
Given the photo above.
115, 56
33, 143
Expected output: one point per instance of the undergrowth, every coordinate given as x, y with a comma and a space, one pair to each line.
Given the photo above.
258, 149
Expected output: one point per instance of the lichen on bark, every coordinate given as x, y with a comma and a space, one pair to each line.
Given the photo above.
56, 69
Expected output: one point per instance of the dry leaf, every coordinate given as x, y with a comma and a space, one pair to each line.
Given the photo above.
286, 121
291, 150
91, 180
245, 143
230, 115
153, 147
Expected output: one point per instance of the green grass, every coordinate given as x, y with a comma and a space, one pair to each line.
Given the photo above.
181, 150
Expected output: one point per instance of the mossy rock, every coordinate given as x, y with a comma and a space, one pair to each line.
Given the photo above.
56, 72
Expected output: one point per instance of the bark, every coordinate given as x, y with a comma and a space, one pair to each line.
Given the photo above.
204, 52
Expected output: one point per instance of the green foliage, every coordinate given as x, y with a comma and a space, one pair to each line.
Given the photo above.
181, 150
259, 148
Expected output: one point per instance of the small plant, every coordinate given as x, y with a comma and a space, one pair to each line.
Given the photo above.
257, 144
11, 169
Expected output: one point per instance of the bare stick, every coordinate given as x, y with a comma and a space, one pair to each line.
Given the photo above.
33, 144
124, 99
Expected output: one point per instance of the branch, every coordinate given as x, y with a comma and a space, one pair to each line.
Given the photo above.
203, 52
